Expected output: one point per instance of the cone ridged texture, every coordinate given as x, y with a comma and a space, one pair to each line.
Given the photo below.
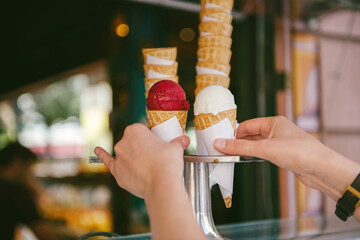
219, 14
163, 69
155, 117
215, 41
163, 53
225, 68
203, 121
205, 80
215, 54
228, 201
225, 4
216, 28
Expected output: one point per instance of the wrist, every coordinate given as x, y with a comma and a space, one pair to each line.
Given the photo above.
340, 173
160, 183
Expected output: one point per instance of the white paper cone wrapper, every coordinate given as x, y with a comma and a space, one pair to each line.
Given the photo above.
204, 70
201, 147
209, 19
201, 150
153, 75
220, 173
206, 34
223, 174
158, 61
211, 5
169, 129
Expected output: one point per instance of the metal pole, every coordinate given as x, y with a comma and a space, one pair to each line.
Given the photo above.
196, 178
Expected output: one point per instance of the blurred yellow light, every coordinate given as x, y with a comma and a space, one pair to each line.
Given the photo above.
187, 34
122, 30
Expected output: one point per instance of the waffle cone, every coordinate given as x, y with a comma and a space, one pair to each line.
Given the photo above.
203, 121
205, 80
225, 4
155, 117
214, 41
228, 201
225, 68
163, 53
215, 54
216, 28
163, 69
150, 82
218, 13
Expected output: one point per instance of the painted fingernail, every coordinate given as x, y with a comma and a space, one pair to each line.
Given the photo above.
97, 150
220, 144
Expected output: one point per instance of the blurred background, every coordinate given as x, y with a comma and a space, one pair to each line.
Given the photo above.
72, 79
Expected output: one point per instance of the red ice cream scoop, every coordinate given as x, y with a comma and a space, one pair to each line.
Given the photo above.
167, 95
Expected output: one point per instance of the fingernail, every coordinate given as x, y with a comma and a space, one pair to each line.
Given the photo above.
184, 141
220, 144
97, 150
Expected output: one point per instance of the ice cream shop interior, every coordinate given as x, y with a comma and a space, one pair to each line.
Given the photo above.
75, 74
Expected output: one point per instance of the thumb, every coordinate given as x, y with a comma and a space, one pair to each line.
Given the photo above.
105, 157
241, 147
183, 141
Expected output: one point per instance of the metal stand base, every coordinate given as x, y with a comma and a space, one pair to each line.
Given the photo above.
198, 188
196, 178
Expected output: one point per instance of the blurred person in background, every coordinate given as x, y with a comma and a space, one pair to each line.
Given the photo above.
18, 193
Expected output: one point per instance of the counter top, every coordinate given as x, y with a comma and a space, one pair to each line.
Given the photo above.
317, 227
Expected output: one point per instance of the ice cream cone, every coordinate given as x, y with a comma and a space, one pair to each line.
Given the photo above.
165, 70
215, 28
225, 4
155, 117
214, 41
162, 53
205, 80
215, 15
228, 201
150, 82
205, 67
214, 54
203, 121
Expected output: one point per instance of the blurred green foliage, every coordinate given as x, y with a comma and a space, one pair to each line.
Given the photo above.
58, 101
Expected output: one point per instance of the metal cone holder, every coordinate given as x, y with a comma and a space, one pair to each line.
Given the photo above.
196, 178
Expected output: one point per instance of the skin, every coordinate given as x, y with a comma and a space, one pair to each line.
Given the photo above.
286, 145
151, 168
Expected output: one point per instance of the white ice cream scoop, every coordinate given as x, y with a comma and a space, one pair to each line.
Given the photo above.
213, 99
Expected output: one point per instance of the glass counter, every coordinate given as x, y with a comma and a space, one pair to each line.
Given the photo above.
300, 228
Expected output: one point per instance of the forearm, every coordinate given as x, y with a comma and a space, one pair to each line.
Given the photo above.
170, 212
339, 173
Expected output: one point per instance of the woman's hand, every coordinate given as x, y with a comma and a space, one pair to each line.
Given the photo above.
286, 145
151, 168
143, 160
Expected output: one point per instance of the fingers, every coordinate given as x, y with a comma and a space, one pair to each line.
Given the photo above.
105, 157
183, 141
257, 126
241, 147
253, 137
